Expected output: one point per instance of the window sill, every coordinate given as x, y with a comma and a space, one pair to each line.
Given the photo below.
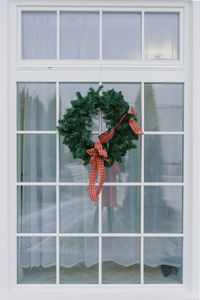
103, 292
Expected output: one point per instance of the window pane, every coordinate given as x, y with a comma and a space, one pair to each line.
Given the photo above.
121, 35
78, 214
130, 168
36, 209
163, 209
121, 260
36, 261
161, 35
36, 157
79, 35
163, 260
121, 209
36, 106
163, 107
79, 260
163, 158
132, 95
71, 170
38, 35
68, 93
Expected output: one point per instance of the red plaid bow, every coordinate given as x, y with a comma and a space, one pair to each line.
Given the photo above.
99, 154
107, 136
97, 161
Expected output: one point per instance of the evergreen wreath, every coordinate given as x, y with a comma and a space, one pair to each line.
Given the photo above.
76, 124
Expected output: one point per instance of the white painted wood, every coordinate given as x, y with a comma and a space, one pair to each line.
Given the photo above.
4, 149
195, 55
57, 188
179, 71
106, 183
142, 183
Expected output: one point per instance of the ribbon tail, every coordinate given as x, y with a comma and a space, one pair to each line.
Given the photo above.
106, 136
135, 127
93, 177
101, 169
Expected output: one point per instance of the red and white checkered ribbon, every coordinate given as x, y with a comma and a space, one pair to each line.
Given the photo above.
107, 136
99, 155
97, 161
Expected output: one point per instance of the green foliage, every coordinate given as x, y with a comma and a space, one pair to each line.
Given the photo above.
76, 124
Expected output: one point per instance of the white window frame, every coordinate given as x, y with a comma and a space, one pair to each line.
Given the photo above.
186, 70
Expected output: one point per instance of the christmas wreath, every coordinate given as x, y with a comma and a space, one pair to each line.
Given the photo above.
113, 144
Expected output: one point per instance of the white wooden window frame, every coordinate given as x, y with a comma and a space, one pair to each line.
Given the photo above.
185, 70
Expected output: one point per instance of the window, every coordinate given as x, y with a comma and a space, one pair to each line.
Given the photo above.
139, 232
148, 183
93, 35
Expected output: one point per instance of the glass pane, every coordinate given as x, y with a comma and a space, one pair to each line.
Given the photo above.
77, 212
121, 260
68, 93
163, 107
79, 260
72, 170
79, 35
161, 35
36, 209
163, 260
36, 157
38, 35
130, 168
121, 209
121, 35
132, 95
36, 106
163, 209
163, 158
36, 261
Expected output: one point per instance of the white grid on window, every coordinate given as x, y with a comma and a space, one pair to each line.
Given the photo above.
100, 11
142, 184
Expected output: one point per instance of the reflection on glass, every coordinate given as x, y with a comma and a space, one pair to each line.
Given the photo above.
71, 170
79, 35
36, 209
163, 158
163, 260
132, 95
121, 209
78, 260
130, 168
77, 212
163, 107
163, 209
38, 35
36, 106
121, 35
161, 35
36, 261
36, 157
120, 260
68, 93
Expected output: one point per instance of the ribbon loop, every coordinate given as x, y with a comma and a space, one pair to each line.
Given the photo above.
107, 136
97, 161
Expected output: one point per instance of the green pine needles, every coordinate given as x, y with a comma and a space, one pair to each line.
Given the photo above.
76, 125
